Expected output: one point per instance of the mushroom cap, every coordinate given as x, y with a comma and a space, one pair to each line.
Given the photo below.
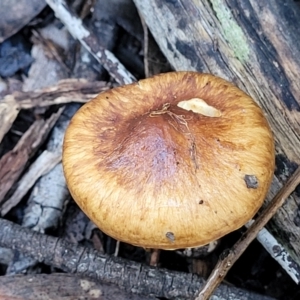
151, 171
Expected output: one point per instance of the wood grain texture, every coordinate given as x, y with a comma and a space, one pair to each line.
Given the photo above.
131, 276
59, 286
13, 163
254, 44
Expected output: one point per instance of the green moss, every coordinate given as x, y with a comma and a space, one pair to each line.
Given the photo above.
231, 30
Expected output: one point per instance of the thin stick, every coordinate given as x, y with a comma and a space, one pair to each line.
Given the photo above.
90, 42
225, 263
146, 45
154, 257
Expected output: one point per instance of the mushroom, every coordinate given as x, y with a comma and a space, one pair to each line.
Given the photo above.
173, 161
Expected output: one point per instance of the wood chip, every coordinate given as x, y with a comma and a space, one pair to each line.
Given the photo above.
13, 163
45, 162
9, 110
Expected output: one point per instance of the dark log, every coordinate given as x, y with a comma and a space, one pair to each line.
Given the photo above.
256, 45
129, 275
59, 286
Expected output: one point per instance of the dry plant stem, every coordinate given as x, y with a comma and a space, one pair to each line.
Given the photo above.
131, 276
86, 9
117, 248
146, 45
51, 49
90, 42
224, 264
154, 257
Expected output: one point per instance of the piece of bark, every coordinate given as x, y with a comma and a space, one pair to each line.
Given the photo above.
13, 163
90, 42
131, 276
58, 286
65, 91
47, 199
45, 163
9, 111
255, 45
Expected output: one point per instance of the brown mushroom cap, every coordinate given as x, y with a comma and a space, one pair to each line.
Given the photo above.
153, 174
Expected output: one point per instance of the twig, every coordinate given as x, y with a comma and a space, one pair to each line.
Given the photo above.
225, 263
146, 45
278, 253
50, 49
90, 42
131, 276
